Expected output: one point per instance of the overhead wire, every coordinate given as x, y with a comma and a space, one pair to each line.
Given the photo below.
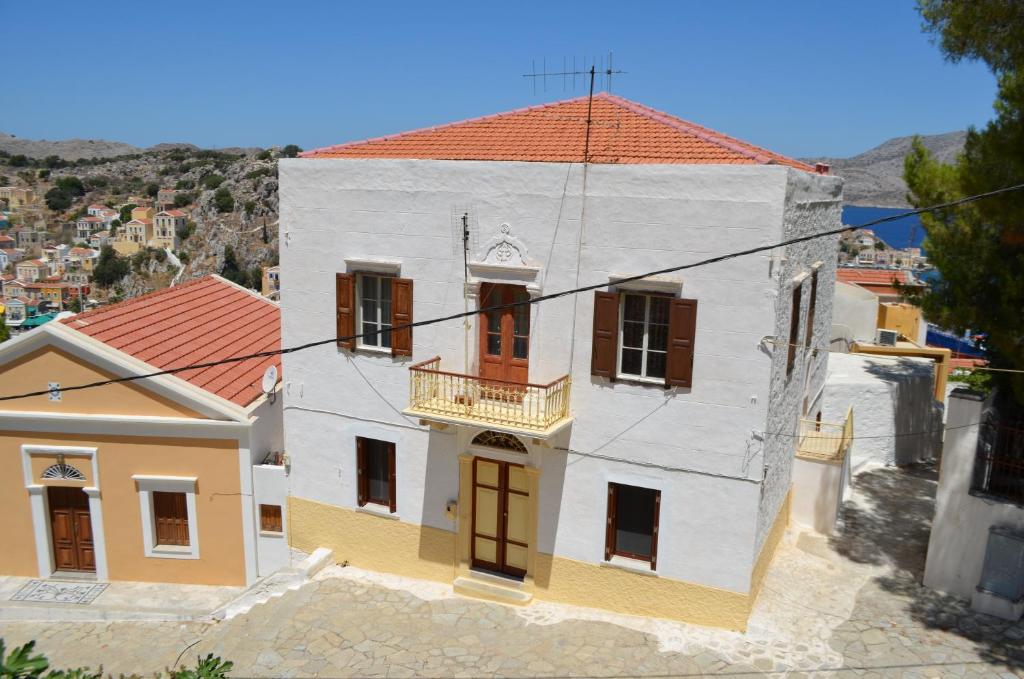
510, 305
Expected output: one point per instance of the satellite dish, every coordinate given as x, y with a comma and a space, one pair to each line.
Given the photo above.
269, 379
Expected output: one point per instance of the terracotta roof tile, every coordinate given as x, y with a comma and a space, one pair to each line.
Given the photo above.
204, 320
622, 131
873, 276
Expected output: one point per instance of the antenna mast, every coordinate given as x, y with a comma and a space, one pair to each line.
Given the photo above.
465, 290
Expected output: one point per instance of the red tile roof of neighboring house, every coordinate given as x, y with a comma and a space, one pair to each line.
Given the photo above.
91, 219
960, 363
873, 276
203, 320
621, 131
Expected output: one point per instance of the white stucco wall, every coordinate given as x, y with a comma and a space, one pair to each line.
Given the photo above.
818, 492
892, 398
854, 315
960, 530
699, 444
270, 487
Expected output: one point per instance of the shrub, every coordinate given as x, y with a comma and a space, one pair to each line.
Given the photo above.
110, 268
223, 199
290, 151
44, 174
212, 181
57, 199
184, 184
185, 230
264, 155
152, 189
183, 199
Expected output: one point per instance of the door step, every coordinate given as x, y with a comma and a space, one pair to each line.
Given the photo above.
492, 588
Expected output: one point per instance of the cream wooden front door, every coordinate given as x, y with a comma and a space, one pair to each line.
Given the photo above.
501, 515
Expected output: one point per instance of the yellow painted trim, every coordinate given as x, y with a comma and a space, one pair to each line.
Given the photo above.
940, 356
771, 543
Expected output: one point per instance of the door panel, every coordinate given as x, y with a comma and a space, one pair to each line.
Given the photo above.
71, 529
501, 516
505, 334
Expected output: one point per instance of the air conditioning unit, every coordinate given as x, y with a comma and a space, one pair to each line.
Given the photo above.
886, 338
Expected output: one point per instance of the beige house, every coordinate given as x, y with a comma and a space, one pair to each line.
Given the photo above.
32, 270
133, 236
159, 479
18, 197
165, 228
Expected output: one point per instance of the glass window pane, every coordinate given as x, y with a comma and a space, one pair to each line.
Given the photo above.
368, 339
494, 344
657, 337
634, 308
659, 310
521, 320
631, 361
632, 334
634, 520
655, 364
493, 321
385, 337
520, 347
377, 471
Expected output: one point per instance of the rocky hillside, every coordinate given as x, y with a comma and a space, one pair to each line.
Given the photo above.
76, 149
875, 178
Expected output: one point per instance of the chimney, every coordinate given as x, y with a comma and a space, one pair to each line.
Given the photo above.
822, 168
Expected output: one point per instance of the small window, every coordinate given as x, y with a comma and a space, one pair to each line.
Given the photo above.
374, 310
794, 328
170, 516
810, 311
632, 530
376, 472
643, 336
270, 518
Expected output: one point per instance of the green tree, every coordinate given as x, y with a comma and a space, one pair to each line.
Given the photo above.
18, 160
979, 248
72, 186
57, 200
231, 269
212, 181
5, 334
290, 151
185, 230
126, 212
152, 189
110, 268
183, 199
223, 199
43, 174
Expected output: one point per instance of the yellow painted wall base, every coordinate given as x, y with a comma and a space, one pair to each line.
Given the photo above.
383, 544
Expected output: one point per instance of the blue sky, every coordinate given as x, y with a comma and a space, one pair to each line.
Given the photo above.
800, 77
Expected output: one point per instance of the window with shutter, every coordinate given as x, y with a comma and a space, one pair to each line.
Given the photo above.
374, 310
344, 297
170, 518
270, 518
682, 331
606, 334
401, 314
810, 312
794, 328
632, 525
376, 474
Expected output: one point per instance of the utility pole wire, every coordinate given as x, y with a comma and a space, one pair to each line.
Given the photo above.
535, 300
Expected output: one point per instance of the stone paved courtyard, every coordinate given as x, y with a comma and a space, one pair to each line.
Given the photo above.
843, 606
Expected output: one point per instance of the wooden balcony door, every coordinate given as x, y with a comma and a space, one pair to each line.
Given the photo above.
71, 528
501, 515
505, 334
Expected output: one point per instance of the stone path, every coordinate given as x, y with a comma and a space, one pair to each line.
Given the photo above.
846, 606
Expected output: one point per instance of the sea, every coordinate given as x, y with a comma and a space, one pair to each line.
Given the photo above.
905, 232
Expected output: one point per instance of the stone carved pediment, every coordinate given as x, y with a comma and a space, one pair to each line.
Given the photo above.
504, 259
504, 249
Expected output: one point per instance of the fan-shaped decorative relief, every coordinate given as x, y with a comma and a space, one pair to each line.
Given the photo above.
64, 472
504, 249
499, 439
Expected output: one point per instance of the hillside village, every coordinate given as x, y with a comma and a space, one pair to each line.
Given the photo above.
74, 235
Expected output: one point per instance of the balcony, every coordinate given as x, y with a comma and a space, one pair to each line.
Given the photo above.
825, 441
537, 410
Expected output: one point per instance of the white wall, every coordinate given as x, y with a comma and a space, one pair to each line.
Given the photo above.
854, 315
892, 397
270, 487
818, 491
956, 548
697, 441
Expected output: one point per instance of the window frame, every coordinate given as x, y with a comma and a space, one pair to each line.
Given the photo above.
611, 550
647, 295
793, 338
360, 276
147, 485
154, 496
264, 530
363, 496
812, 306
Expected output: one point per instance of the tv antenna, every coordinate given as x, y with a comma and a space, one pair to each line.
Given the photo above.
588, 66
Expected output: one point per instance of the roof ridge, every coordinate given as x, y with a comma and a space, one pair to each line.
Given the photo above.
133, 300
434, 128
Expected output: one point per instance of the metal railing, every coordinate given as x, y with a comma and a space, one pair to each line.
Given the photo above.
532, 407
828, 441
999, 465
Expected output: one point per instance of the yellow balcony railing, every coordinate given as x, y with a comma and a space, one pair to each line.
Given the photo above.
827, 441
453, 397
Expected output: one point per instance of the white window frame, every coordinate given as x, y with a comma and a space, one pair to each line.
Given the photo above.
167, 484
361, 342
647, 322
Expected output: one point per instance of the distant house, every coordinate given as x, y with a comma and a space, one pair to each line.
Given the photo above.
133, 236
17, 309
99, 239
32, 270
14, 288
165, 228
82, 259
108, 216
96, 209
86, 226
142, 212
17, 197
271, 282
7, 243
882, 282
4, 260
165, 198
31, 240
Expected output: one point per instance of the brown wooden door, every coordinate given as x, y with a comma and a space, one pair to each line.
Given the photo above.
71, 528
505, 334
501, 516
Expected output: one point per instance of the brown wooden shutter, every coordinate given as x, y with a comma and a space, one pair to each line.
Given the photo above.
810, 312
362, 482
794, 328
682, 330
606, 334
345, 300
401, 314
609, 535
392, 496
654, 530
171, 518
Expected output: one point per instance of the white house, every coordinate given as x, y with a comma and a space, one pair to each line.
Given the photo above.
628, 448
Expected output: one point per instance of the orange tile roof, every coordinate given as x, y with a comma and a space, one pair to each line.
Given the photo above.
203, 320
873, 276
622, 131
